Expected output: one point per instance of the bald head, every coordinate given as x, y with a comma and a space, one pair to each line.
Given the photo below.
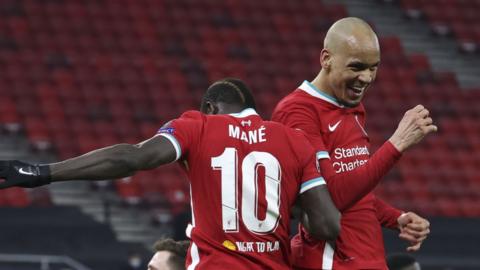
349, 60
350, 34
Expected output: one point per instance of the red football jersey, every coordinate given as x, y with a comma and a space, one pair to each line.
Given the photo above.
245, 174
341, 130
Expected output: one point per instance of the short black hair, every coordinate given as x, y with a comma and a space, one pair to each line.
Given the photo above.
177, 248
230, 91
400, 260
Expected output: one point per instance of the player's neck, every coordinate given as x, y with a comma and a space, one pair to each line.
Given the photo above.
229, 108
321, 83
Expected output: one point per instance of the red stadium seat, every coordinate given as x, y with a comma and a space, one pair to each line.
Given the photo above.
15, 197
9, 117
129, 190
449, 16
136, 65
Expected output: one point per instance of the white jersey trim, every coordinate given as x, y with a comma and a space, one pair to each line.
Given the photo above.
311, 184
175, 144
313, 91
358, 122
327, 262
322, 155
188, 231
244, 113
191, 206
195, 257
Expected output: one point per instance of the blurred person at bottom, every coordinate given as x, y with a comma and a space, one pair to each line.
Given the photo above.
169, 255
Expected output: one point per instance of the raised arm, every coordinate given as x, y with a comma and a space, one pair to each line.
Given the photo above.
111, 162
349, 187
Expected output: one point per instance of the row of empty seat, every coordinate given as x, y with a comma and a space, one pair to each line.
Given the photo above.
459, 18
83, 75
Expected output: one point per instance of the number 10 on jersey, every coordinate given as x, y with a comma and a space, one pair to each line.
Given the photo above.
227, 163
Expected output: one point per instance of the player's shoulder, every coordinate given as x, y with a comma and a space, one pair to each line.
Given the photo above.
295, 98
192, 119
192, 114
185, 118
293, 134
298, 136
299, 142
297, 101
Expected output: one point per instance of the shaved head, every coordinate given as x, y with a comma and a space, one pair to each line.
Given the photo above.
350, 34
349, 60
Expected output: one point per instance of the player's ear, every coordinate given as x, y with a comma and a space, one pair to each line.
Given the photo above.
210, 108
325, 59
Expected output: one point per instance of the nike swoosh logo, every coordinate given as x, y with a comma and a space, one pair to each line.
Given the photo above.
332, 128
25, 172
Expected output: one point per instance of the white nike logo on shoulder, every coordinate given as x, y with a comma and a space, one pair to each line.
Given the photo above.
25, 172
332, 128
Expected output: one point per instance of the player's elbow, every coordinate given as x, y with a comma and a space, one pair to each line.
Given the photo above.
326, 227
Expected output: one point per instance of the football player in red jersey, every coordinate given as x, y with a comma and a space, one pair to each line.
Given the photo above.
330, 111
245, 175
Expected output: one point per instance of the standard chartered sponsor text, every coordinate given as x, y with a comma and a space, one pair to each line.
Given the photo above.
342, 153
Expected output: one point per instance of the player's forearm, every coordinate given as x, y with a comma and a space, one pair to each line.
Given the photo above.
320, 228
320, 217
349, 187
387, 215
107, 163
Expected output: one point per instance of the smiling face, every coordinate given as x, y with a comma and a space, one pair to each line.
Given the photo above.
350, 59
351, 75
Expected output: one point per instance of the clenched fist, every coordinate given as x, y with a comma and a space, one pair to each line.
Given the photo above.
413, 229
414, 126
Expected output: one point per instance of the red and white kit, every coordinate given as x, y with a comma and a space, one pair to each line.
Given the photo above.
245, 174
351, 168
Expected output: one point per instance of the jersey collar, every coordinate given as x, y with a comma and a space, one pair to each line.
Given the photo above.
314, 91
244, 113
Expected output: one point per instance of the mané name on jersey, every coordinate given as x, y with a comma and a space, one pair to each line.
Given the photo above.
245, 174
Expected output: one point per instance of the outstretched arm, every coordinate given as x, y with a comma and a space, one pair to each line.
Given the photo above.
116, 161
111, 162
120, 160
